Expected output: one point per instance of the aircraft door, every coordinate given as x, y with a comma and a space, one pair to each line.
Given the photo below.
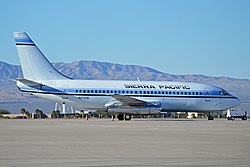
64, 91
207, 95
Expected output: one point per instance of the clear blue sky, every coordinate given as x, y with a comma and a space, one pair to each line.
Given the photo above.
209, 37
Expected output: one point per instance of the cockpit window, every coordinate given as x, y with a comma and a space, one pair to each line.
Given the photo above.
223, 92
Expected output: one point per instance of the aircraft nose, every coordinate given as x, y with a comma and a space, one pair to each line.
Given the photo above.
236, 101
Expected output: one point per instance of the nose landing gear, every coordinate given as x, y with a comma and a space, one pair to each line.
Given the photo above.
210, 117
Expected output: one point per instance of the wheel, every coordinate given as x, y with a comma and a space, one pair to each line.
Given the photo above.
127, 117
120, 117
210, 117
232, 118
244, 118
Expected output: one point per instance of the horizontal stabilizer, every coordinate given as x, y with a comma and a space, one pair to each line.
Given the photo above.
31, 86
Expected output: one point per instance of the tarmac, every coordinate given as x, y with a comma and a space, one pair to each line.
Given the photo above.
140, 143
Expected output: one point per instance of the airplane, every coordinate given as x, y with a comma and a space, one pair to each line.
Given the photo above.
117, 97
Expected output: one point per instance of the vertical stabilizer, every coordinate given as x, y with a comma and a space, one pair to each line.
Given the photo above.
35, 66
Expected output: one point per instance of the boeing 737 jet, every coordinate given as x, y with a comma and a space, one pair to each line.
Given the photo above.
121, 98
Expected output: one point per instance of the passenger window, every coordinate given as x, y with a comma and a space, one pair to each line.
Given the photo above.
95, 91
103, 91
76, 91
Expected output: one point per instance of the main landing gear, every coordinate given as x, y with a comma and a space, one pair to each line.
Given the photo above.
124, 117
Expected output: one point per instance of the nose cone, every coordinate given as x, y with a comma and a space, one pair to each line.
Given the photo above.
236, 101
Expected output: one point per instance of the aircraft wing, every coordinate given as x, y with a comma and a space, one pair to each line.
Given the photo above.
130, 101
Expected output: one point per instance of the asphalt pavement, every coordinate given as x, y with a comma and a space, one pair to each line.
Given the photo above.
140, 142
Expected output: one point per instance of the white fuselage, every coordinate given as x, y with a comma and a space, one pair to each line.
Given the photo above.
173, 96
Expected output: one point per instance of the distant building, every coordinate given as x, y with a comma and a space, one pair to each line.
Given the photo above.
14, 116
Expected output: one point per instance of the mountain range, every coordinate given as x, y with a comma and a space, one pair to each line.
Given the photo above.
91, 70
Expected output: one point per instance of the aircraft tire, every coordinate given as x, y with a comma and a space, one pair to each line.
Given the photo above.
120, 117
210, 117
127, 117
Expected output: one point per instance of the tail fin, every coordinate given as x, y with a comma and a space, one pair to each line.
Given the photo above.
35, 65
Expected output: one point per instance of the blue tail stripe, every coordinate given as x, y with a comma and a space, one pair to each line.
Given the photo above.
23, 40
